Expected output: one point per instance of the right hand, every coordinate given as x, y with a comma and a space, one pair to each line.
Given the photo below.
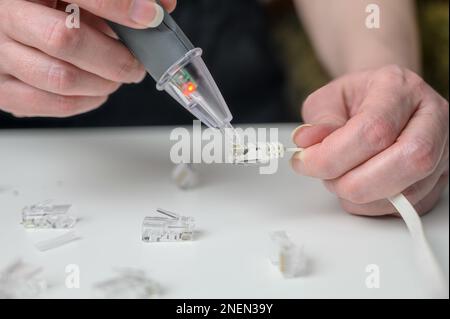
47, 69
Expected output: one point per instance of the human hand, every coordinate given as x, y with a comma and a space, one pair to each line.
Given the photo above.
48, 69
376, 134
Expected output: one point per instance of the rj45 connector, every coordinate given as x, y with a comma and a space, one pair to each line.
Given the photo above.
169, 228
47, 215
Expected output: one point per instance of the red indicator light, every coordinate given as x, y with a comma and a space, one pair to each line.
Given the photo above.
189, 88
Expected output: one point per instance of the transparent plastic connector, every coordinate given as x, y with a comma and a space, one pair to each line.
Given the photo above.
259, 153
21, 281
190, 83
184, 176
47, 215
169, 227
288, 257
129, 284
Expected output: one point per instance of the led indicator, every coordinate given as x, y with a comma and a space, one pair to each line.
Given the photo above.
189, 88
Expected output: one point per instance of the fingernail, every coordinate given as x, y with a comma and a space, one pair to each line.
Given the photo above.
296, 162
298, 129
299, 156
146, 13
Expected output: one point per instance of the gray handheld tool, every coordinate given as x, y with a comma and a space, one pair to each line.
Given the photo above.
177, 67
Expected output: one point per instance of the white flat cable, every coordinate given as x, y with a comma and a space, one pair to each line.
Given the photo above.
426, 259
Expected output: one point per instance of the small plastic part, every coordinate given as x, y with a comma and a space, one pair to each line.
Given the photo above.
185, 176
46, 215
58, 241
289, 257
21, 281
129, 284
259, 153
170, 228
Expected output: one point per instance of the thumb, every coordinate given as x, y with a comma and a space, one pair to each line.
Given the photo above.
324, 111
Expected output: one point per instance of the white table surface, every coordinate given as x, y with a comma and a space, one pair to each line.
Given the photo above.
116, 177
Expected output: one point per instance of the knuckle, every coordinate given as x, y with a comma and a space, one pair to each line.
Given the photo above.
378, 132
61, 40
61, 77
416, 83
394, 75
414, 78
422, 155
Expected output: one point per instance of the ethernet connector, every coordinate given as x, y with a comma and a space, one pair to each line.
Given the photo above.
21, 281
287, 256
169, 228
46, 215
129, 284
259, 153
184, 176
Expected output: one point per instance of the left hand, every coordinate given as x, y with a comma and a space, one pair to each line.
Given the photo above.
373, 135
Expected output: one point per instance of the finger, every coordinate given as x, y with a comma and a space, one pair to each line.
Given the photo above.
49, 74
384, 207
415, 156
381, 116
48, 3
415, 193
132, 13
23, 100
308, 135
429, 202
324, 111
169, 5
86, 48
97, 23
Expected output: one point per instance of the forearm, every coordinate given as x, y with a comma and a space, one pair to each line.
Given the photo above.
343, 42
